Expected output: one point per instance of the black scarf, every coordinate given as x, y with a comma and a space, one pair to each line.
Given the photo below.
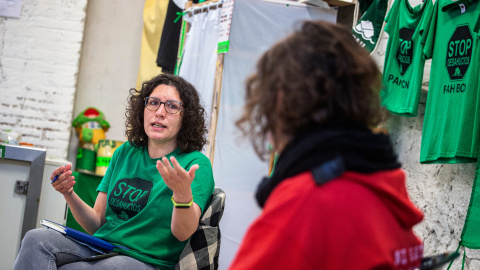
359, 149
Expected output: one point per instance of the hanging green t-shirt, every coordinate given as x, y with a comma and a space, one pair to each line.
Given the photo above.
139, 206
404, 61
471, 233
451, 123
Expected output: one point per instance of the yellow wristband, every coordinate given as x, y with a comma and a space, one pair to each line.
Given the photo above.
182, 205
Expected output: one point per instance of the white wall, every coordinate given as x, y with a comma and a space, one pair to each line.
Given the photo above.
109, 63
47, 77
39, 56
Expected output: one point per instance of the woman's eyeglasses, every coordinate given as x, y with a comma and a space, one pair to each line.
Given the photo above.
171, 106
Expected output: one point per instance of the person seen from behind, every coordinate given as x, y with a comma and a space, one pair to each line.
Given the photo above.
337, 198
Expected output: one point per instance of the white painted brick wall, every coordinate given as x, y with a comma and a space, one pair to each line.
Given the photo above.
39, 63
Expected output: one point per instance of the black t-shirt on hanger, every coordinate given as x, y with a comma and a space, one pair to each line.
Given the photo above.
169, 41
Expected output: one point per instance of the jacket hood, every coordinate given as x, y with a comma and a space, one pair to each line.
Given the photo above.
392, 192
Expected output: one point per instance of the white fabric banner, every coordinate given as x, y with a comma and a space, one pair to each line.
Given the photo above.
200, 56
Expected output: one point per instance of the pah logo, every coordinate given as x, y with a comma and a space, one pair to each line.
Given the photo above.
459, 52
404, 53
365, 30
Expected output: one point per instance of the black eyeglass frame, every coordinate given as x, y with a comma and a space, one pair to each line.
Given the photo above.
164, 103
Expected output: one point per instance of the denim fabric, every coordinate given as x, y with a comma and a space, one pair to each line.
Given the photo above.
48, 249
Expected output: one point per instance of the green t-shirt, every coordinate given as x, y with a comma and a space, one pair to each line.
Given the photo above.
451, 123
139, 207
404, 61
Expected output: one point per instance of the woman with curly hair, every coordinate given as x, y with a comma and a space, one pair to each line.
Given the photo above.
152, 195
337, 198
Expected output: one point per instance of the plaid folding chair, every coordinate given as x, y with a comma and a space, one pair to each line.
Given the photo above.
203, 247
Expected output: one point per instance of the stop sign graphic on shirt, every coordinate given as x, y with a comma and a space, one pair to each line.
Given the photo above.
459, 52
405, 49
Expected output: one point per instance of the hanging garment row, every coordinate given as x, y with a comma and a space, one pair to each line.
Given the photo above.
446, 32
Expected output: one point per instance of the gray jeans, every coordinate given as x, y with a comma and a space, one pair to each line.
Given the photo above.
48, 249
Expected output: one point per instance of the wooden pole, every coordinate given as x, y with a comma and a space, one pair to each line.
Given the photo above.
217, 90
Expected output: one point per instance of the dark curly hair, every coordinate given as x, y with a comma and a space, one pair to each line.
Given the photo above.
192, 134
324, 75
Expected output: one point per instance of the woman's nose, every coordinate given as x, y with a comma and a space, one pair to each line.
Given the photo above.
161, 110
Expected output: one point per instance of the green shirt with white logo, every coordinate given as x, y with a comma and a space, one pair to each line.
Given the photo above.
452, 116
404, 61
139, 206
368, 28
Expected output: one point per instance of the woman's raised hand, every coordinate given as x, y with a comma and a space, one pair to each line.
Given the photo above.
177, 178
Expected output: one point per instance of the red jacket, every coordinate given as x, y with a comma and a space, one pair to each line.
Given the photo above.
357, 221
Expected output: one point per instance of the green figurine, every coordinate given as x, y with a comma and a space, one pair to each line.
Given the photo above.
91, 127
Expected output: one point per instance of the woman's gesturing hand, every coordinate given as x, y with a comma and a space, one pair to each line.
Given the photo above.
177, 178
